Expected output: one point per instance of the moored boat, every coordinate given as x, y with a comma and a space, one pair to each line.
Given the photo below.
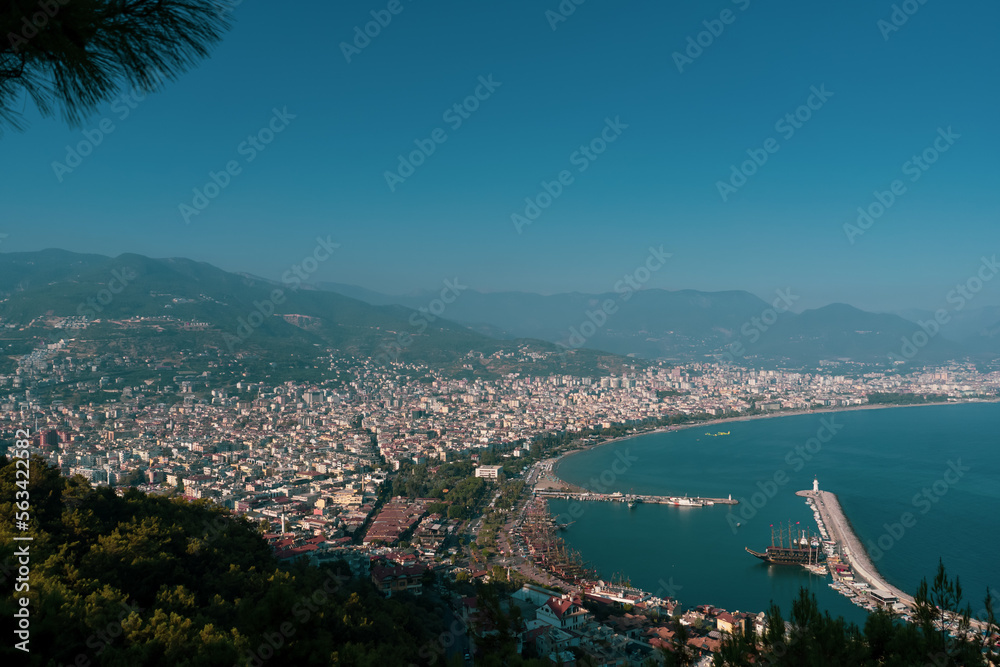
801, 550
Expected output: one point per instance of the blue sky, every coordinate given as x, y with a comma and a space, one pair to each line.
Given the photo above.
655, 184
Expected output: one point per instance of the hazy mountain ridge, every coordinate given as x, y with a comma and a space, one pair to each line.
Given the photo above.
689, 325
236, 312
969, 325
681, 326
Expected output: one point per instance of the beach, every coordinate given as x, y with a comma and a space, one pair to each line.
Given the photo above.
770, 415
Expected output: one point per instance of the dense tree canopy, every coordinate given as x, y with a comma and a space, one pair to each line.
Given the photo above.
815, 639
71, 55
143, 580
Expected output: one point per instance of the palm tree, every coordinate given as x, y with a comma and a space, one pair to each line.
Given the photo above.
72, 55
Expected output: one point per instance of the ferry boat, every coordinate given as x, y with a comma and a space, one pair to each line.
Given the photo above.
687, 502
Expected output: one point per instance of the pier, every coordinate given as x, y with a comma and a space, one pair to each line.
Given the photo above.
833, 518
840, 531
681, 501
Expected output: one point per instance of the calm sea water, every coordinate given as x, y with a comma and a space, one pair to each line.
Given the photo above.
878, 462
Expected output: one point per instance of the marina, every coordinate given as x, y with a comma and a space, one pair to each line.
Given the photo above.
854, 576
535, 534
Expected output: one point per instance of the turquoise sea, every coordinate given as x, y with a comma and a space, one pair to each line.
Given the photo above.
880, 463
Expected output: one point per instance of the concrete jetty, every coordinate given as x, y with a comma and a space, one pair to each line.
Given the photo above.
841, 532
683, 501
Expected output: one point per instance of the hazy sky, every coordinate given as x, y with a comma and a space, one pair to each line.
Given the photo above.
672, 127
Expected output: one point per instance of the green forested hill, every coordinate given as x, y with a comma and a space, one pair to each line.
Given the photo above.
143, 580
241, 315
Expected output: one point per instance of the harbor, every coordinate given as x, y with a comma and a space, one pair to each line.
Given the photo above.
854, 575
720, 570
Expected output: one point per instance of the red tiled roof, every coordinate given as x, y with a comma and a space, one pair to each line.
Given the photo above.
727, 617
559, 606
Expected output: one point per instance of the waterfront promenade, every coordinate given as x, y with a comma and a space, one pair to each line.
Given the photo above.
842, 533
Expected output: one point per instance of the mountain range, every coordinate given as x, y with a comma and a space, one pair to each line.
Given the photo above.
180, 303
691, 325
158, 307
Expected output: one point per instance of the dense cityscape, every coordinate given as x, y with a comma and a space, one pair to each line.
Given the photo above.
322, 469
380, 333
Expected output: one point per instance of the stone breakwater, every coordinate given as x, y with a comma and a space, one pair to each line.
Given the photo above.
842, 533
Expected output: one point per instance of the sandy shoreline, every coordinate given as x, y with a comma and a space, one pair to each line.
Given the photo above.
774, 415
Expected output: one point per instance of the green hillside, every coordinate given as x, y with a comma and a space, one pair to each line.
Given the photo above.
156, 308
142, 580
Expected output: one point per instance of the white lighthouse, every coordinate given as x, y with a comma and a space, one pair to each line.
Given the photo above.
815, 485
